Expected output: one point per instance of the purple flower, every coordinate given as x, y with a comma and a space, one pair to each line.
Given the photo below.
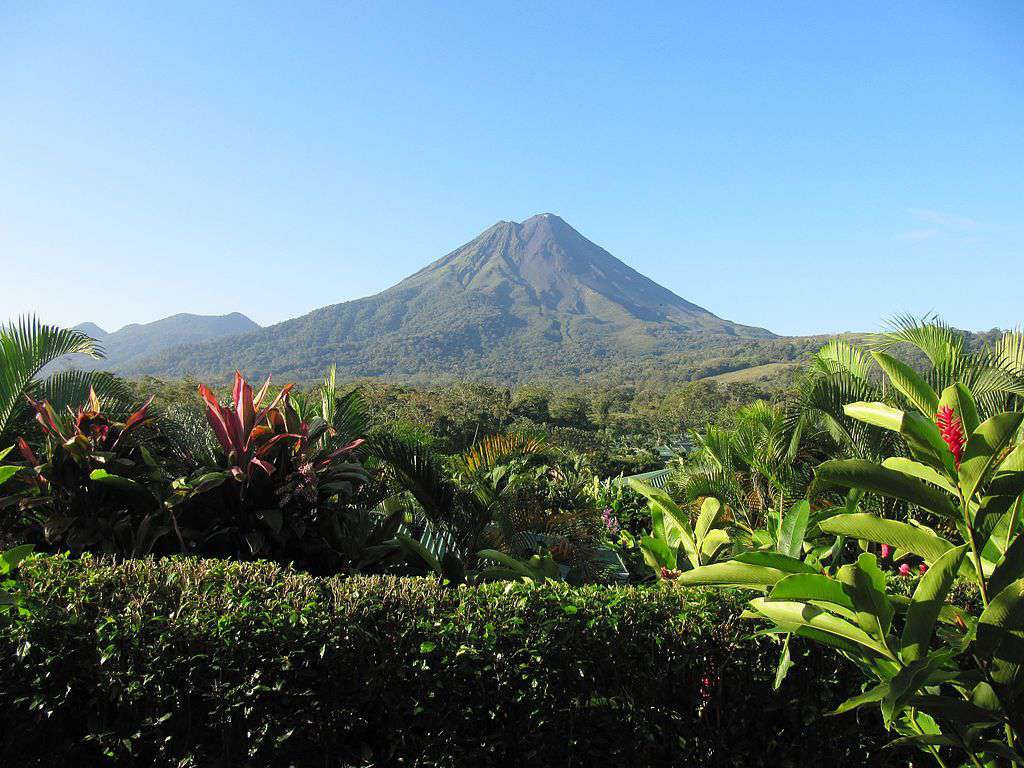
610, 522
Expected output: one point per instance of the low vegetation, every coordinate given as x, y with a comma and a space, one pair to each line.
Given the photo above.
478, 561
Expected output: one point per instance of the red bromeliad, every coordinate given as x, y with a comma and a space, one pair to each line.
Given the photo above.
952, 431
246, 434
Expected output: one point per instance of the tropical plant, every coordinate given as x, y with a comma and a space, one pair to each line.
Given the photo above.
674, 544
945, 677
26, 348
91, 486
501, 495
282, 485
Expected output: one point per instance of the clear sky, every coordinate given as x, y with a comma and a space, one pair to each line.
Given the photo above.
806, 167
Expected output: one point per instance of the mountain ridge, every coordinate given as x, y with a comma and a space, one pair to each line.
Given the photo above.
519, 300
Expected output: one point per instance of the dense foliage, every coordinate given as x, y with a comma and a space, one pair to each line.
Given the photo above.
186, 662
875, 505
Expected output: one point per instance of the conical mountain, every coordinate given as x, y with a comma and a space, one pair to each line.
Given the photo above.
521, 300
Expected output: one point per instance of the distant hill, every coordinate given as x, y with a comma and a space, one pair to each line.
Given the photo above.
133, 342
520, 301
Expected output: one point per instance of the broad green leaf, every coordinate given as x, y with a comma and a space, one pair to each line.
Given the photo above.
711, 512
411, 545
784, 665
922, 436
1009, 569
861, 525
776, 560
124, 484
733, 574
927, 602
791, 616
984, 449
876, 414
793, 529
870, 696
906, 683
924, 740
990, 517
1000, 636
959, 398
7, 472
713, 544
949, 708
866, 584
921, 471
813, 588
1008, 478
868, 476
663, 503
657, 553
12, 558
909, 382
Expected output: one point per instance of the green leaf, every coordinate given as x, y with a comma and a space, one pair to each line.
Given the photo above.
1000, 638
124, 484
984, 449
922, 436
427, 647
784, 665
661, 502
792, 616
7, 472
906, 683
711, 512
959, 398
861, 525
866, 584
921, 471
12, 558
732, 574
870, 696
657, 553
776, 560
813, 588
412, 546
909, 382
793, 529
1009, 569
858, 473
927, 602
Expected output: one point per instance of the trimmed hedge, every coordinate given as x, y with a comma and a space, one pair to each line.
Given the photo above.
211, 663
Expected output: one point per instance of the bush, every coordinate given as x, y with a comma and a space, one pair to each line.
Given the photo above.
193, 663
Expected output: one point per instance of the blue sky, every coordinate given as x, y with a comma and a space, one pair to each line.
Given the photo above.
806, 167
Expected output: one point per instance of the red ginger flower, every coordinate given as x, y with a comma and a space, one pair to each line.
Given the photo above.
952, 431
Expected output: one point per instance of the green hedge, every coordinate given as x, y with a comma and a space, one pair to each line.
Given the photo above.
210, 663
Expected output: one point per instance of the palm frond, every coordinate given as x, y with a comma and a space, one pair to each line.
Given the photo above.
937, 340
420, 472
838, 356
490, 451
26, 347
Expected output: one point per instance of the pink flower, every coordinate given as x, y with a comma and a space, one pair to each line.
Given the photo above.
922, 568
886, 551
904, 570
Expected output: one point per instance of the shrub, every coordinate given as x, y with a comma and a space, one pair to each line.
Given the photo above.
184, 662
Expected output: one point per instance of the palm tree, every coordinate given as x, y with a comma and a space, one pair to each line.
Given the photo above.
28, 346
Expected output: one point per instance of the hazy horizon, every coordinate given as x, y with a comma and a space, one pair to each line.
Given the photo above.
802, 168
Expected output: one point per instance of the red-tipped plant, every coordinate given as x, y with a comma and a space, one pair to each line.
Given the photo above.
246, 433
